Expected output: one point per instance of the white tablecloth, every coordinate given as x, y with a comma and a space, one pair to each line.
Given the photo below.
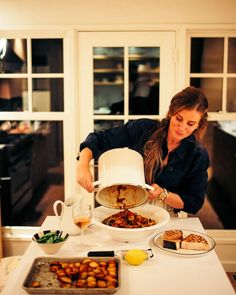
165, 273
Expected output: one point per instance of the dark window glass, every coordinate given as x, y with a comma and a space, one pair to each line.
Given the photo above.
13, 55
232, 56
47, 56
48, 94
231, 95
144, 72
213, 89
100, 125
207, 55
108, 67
13, 95
31, 170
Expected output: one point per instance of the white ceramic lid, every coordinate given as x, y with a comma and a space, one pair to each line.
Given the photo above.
121, 196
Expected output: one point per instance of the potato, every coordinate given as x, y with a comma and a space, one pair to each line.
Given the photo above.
87, 273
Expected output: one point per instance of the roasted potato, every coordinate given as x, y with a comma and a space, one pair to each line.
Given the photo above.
87, 273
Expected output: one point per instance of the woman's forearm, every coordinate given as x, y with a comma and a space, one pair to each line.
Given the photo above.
84, 176
85, 157
174, 201
170, 199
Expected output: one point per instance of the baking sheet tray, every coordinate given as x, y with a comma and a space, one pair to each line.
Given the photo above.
40, 271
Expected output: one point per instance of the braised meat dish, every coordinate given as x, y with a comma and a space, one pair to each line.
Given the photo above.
128, 219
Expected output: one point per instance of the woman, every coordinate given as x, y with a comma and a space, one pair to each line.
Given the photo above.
175, 161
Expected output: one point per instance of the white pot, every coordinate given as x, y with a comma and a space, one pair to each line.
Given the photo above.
121, 179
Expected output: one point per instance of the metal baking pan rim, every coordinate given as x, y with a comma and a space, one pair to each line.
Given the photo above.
48, 290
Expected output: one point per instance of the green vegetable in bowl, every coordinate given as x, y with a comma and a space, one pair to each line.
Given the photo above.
50, 238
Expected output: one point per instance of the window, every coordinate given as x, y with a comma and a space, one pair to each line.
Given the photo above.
212, 67
31, 127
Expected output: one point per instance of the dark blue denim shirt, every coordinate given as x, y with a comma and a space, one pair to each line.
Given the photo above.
186, 171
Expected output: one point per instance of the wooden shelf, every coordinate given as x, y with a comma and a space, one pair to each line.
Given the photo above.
104, 56
154, 71
141, 57
131, 57
119, 83
107, 70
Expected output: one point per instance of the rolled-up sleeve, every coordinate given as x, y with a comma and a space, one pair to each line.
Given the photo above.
129, 135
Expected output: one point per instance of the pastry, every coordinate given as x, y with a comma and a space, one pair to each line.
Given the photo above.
172, 239
194, 242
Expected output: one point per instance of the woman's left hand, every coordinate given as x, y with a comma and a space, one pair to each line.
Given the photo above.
152, 195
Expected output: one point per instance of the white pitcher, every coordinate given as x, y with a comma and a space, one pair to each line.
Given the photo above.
66, 217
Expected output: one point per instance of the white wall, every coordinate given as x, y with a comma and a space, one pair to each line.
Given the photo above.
90, 12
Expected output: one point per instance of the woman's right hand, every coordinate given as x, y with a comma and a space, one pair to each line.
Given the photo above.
84, 176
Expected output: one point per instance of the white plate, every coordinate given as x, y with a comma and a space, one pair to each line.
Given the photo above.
158, 241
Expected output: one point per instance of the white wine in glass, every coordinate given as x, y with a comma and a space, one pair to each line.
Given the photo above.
82, 215
82, 222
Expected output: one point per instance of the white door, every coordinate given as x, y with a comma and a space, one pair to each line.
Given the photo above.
123, 76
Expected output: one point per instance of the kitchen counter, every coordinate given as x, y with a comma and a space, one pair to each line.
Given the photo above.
165, 273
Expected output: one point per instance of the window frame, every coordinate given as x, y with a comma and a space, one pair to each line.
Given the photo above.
67, 116
204, 33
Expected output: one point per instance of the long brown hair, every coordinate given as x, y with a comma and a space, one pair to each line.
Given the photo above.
189, 98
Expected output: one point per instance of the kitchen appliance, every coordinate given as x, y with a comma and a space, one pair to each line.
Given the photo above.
15, 175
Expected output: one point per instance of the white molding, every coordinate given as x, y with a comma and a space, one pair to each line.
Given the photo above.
70, 112
23, 30
225, 247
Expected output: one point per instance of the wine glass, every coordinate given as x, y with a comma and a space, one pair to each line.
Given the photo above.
82, 215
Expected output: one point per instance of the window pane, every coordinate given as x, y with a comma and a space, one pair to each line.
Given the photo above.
13, 55
231, 95
207, 55
31, 170
13, 95
47, 56
232, 56
48, 95
100, 125
213, 89
108, 64
144, 80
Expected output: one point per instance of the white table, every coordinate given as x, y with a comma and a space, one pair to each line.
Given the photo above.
166, 273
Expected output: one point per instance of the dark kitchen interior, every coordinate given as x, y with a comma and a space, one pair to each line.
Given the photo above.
31, 152
32, 175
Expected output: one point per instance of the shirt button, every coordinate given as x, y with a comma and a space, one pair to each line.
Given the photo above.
170, 168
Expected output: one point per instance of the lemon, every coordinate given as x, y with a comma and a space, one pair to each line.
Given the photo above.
135, 256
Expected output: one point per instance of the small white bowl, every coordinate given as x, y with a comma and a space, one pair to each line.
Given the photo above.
50, 248
160, 215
